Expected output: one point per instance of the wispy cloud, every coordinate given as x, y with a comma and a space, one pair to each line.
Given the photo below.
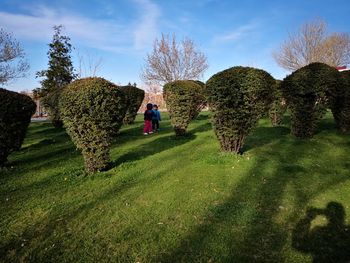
104, 34
146, 28
237, 34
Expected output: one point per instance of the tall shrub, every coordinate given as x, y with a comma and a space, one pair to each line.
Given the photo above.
278, 106
341, 104
134, 98
92, 110
308, 91
15, 113
238, 97
182, 98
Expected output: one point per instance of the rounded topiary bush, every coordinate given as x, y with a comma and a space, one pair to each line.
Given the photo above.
341, 104
238, 97
308, 91
278, 106
182, 98
134, 98
92, 110
16, 111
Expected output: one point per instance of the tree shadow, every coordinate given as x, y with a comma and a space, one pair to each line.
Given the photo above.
58, 222
201, 128
202, 116
153, 147
264, 135
135, 132
244, 228
329, 243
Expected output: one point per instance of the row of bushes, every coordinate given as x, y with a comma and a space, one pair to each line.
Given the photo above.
238, 97
92, 110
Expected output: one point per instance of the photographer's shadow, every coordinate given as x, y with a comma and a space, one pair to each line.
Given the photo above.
329, 243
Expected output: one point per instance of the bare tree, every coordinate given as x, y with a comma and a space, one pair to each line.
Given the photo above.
170, 61
89, 66
336, 49
12, 58
312, 43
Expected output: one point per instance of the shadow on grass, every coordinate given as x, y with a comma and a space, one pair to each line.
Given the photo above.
264, 135
135, 132
153, 147
58, 222
202, 116
329, 243
201, 128
245, 227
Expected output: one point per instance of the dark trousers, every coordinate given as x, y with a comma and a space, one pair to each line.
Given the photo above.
155, 125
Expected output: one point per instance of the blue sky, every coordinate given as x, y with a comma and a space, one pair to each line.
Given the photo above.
121, 32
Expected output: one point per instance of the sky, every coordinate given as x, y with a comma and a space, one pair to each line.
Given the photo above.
120, 33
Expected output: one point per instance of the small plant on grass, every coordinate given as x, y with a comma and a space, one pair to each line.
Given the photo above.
308, 91
183, 98
15, 113
278, 106
341, 104
238, 97
92, 110
134, 98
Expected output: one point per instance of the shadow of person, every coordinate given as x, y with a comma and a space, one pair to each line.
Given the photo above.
330, 243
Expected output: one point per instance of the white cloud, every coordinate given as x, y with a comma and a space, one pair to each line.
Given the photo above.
146, 29
104, 34
237, 34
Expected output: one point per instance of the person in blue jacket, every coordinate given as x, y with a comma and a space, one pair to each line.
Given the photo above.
155, 119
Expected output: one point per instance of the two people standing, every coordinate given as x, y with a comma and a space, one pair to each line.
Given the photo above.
152, 119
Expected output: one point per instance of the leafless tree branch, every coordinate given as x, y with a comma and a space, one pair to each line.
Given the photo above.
170, 61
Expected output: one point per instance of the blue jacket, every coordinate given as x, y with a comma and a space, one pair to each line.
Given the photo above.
156, 115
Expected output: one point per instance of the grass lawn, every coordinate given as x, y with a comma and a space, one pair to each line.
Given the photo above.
170, 199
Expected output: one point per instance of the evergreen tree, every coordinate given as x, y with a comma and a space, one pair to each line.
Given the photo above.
60, 73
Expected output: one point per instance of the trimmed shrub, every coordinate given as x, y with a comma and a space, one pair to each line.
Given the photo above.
15, 112
182, 98
278, 106
92, 110
308, 91
238, 97
134, 98
202, 103
341, 104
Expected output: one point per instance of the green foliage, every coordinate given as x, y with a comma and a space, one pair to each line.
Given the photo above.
308, 91
60, 73
134, 97
51, 103
183, 98
202, 104
15, 113
238, 97
341, 104
92, 110
278, 106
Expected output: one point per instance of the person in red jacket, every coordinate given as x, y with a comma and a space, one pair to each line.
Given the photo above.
148, 115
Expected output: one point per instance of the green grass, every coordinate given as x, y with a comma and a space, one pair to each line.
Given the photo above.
170, 199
